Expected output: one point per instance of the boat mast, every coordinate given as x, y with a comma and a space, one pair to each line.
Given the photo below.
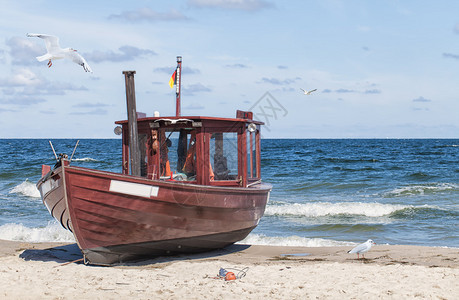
134, 152
177, 86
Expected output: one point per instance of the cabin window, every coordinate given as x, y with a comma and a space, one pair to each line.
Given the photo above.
178, 154
223, 155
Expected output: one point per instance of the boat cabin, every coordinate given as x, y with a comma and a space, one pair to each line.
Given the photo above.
199, 150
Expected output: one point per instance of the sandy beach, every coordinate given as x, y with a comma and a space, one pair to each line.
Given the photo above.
43, 271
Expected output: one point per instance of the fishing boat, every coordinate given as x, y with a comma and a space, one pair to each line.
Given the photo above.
187, 184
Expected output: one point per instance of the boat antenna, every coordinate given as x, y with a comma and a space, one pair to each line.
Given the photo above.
76, 145
55, 155
178, 86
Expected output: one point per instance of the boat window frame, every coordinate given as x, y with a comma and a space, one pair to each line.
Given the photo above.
204, 132
219, 127
189, 132
230, 161
253, 163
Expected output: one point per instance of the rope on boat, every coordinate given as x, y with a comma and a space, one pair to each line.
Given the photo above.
253, 183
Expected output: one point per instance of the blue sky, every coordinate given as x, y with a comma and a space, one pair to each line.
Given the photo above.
381, 68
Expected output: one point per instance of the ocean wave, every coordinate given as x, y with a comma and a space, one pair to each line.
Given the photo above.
292, 241
85, 159
327, 185
420, 176
321, 209
349, 160
53, 232
422, 189
364, 169
347, 228
446, 146
426, 212
26, 188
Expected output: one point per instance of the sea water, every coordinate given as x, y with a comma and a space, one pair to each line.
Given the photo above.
325, 192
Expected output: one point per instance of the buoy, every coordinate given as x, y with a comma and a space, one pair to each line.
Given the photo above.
230, 276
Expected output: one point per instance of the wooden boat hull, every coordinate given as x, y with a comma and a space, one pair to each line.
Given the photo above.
117, 218
52, 191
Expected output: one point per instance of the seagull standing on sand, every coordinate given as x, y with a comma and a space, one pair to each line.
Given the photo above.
308, 92
362, 248
56, 52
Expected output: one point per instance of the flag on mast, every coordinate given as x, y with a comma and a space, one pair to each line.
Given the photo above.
173, 79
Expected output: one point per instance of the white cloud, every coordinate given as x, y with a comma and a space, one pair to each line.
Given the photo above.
149, 15
237, 66
48, 112
185, 70
364, 28
24, 87
246, 5
345, 91
7, 110
90, 104
192, 89
421, 99
23, 51
2, 57
194, 106
22, 100
23, 77
127, 53
277, 81
97, 111
456, 28
373, 91
451, 55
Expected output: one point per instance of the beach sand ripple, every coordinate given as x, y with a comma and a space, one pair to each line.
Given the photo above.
37, 271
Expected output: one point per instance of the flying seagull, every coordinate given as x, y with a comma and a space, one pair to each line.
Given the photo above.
362, 248
308, 92
56, 52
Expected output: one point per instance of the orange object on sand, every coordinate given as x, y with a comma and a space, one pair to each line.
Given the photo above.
230, 276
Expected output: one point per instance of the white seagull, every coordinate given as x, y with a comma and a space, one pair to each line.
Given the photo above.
56, 52
362, 248
308, 92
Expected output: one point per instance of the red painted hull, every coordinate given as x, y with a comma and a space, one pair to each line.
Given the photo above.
116, 217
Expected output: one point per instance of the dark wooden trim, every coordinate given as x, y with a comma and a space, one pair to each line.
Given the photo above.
229, 183
199, 154
125, 165
251, 153
194, 118
205, 159
258, 151
242, 156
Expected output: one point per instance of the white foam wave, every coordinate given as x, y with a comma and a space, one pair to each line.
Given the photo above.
422, 189
53, 232
84, 159
291, 241
26, 188
321, 209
